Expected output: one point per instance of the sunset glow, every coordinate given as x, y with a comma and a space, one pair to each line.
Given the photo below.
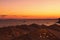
30, 9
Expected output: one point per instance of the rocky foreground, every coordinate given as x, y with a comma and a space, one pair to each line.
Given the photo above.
29, 32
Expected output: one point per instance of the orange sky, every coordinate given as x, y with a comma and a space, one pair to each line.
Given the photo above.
30, 9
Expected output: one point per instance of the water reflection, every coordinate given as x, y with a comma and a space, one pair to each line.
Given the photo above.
28, 22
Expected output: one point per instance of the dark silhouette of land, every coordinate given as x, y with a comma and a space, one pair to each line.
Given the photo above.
29, 32
58, 21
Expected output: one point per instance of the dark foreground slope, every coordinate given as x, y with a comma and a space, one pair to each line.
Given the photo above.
28, 32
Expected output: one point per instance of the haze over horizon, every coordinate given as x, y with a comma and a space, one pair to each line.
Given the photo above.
29, 9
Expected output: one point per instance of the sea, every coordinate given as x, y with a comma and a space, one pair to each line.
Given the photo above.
14, 22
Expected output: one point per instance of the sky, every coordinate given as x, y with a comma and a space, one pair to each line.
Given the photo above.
29, 9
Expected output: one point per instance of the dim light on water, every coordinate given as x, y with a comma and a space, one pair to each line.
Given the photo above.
28, 22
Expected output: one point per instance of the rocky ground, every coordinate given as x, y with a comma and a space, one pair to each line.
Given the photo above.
29, 32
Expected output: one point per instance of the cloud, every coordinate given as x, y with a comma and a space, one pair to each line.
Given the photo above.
3, 16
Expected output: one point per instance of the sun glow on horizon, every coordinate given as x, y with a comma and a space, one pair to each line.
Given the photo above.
30, 8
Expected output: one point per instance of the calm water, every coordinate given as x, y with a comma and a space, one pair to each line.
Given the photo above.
4, 23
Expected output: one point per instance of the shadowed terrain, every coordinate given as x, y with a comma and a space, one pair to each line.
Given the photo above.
29, 32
